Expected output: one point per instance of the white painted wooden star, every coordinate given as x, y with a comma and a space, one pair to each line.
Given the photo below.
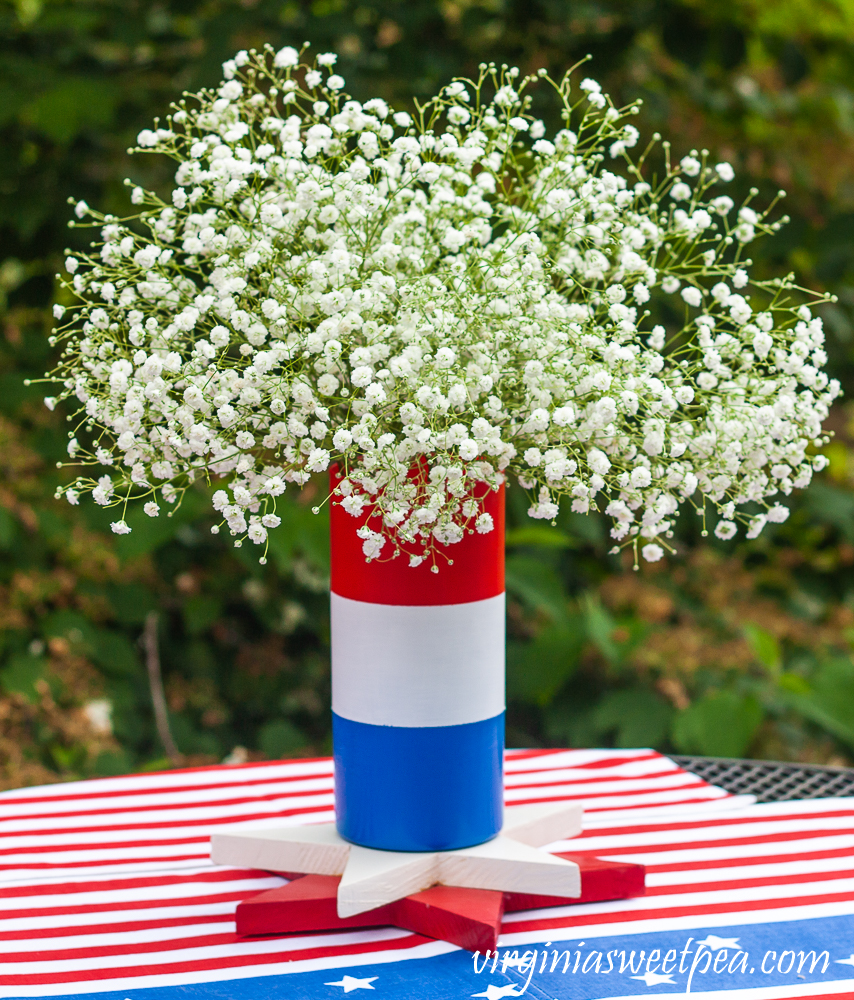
511, 862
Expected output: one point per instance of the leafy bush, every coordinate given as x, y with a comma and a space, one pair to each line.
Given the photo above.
598, 653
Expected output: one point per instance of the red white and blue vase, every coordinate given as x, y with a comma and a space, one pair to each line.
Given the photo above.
418, 691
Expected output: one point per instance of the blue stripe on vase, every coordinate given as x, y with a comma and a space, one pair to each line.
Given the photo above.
430, 788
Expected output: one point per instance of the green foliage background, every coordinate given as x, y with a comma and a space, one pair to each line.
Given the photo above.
729, 649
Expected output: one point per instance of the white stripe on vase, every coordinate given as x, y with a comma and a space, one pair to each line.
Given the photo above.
412, 666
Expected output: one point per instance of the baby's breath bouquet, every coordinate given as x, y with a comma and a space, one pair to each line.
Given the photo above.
433, 299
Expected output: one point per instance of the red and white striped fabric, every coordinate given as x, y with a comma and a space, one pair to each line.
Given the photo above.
147, 822
106, 887
762, 862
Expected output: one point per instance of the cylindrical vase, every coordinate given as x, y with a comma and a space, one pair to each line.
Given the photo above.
418, 690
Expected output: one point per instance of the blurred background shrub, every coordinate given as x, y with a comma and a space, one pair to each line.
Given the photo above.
729, 649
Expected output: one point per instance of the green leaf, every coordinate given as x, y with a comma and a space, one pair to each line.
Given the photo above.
192, 740
8, 529
639, 717
765, 647
68, 759
131, 602
28, 10
720, 724
600, 628
149, 533
70, 106
571, 724
793, 683
830, 504
824, 717
539, 536
11, 99
537, 584
300, 532
830, 701
109, 763
588, 528
158, 764
73, 627
115, 654
794, 18
200, 612
537, 670
279, 738
21, 673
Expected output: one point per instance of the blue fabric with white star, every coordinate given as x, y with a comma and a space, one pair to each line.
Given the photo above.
730, 959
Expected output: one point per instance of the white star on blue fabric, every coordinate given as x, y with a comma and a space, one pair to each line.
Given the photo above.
713, 942
655, 978
497, 992
350, 983
845, 961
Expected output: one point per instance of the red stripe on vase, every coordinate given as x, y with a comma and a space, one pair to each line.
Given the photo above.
477, 572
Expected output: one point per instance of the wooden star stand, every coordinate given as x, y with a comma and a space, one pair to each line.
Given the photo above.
456, 896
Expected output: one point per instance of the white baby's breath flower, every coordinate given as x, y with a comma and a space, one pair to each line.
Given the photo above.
690, 165
469, 450
331, 282
640, 477
778, 513
484, 523
652, 552
544, 147
120, 527
458, 115
286, 58
257, 533
318, 460
756, 525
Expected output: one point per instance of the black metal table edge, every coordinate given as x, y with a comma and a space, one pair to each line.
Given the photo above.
769, 780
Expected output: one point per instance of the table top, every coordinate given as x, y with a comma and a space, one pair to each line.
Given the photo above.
106, 890
771, 780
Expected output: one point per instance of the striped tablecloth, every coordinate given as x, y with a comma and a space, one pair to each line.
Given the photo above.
106, 890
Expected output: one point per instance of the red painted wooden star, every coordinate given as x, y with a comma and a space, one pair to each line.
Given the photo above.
469, 918
458, 895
